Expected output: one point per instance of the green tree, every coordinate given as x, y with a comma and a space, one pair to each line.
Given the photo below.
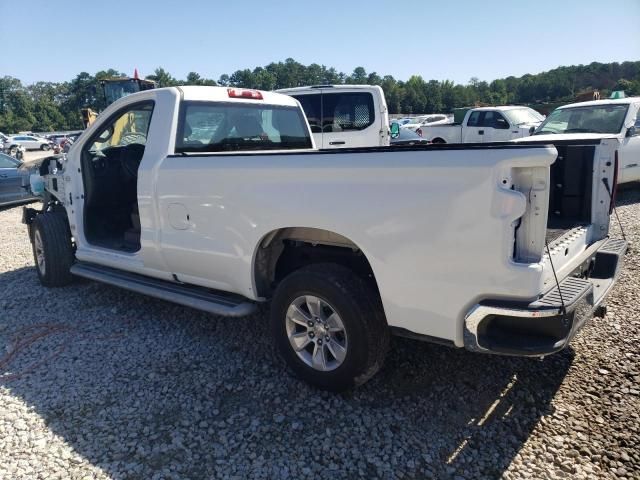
162, 78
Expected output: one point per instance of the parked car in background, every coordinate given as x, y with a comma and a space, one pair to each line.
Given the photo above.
401, 121
56, 138
13, 182
417, 123
486, 124
344, 116
406, 137
600, 119
13, 149
31, 142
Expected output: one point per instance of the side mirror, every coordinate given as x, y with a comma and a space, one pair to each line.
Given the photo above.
501, 123
632, 131
395, 130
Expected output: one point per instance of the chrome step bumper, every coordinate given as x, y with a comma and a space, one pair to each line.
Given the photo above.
548, 324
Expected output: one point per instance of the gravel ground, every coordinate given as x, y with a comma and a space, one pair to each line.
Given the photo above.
101, 383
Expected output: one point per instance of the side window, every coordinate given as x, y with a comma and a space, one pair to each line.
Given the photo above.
343, 112
495, 120
637, 124
130, 126
474, 119
311, 106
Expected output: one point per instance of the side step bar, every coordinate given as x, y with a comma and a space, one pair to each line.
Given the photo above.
200, 298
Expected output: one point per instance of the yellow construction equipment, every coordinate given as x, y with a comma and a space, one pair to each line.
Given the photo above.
114, 89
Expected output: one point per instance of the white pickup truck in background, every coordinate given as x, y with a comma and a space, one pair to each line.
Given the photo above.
217, 199
344, 116
486, 124
619, 119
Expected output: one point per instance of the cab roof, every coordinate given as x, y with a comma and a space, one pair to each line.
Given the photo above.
501, 108
221, 94
337, 87
606, 101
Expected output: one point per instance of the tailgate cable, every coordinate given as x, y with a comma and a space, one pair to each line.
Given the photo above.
613, 205
563, 309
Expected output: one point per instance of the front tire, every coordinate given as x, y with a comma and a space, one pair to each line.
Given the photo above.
329, 326
45, 147
52, 249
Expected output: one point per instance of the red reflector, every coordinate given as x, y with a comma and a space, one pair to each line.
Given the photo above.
614, 187
242, 93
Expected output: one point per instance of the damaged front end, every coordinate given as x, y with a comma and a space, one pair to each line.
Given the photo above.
45, 180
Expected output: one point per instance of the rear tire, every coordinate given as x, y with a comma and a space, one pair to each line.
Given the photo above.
351, 326
438, 140
52, 249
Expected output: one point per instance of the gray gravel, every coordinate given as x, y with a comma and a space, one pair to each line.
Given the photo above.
101, 383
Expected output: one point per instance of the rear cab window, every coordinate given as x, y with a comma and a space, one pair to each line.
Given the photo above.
238, 127
343, 112
333, 112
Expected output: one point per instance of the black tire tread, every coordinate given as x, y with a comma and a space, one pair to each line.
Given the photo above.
58, 251
370, 308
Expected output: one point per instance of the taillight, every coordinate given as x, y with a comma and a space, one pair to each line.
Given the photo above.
242, 93
614, 187
419, 131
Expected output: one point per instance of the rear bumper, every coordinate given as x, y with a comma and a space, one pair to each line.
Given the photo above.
544, 326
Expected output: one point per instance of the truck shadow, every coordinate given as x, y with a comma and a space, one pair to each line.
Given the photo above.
136, 385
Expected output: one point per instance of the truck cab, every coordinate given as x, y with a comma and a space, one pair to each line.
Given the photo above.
344, 116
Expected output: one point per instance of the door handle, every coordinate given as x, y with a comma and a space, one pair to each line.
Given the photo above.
337, 143
480, 132
3, 175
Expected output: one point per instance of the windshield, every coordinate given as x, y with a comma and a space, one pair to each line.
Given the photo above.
115, 90
589, 119
519, 116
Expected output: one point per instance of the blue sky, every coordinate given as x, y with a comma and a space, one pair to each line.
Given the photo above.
53, 40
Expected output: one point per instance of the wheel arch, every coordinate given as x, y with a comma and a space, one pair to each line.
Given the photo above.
287, 249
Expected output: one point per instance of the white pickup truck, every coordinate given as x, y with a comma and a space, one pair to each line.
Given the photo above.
486, 124
216, 199
599, 119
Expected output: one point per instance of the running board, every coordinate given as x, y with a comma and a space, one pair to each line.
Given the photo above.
200, 298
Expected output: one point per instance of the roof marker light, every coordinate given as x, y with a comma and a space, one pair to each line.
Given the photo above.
243, 93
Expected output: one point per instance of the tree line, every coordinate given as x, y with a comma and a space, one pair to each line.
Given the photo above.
48, 106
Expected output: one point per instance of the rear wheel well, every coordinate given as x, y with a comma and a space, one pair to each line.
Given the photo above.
291, 249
